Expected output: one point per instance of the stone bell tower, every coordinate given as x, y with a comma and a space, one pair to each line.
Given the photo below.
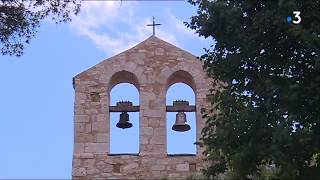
151, 66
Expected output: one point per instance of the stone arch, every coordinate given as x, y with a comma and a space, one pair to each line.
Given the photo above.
123, 77
181, 76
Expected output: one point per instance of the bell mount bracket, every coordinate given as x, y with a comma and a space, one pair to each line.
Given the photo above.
124, 106
181, 106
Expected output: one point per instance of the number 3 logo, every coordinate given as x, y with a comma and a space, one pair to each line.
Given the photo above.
297, 16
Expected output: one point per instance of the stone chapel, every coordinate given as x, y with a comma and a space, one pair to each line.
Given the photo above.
152, 67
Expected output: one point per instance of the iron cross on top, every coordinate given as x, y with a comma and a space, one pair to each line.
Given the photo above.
153, 26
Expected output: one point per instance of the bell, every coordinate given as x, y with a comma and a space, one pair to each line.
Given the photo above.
124, 121
181, 123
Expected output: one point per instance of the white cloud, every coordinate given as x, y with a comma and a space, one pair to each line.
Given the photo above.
180, 27
95, 14
99, 17
114, 26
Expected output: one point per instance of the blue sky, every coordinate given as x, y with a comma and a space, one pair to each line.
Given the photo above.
36, 96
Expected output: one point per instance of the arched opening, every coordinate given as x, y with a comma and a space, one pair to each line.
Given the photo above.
124, 141
124, 86
180, 142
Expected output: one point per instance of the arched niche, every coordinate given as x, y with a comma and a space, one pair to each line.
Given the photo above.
186, 146
184, 81
124, 141
181, 76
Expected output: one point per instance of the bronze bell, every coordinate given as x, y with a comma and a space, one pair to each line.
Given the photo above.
181, 122
124, 121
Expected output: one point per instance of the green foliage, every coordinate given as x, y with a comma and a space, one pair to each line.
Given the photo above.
268, 171
268, 74
19, 20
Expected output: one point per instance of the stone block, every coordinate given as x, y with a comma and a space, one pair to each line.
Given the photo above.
92, 171
91, 111
79, 109
89, 163
158, 167
116, 168
147, 96
153, 113
158, 140
131, 65
76, 163
192, 167
78, 148
83, 155
176, 53
102, 117
108, 169
156, 173
182, 167
79, 172
130, 166
95, 97
139, 55
100, 163
159, 51
154, 122
146, 131
163, 123
181, 59
100, 127
80, 97
142, 50
82, 118
96, 147
102, 137
83, 138
83, 127
163, 161
144, 140
174, 175
160, 131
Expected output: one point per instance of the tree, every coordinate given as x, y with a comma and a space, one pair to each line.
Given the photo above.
266, 111
20, 19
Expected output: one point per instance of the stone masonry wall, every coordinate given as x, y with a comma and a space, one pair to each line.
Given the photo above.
152, 66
